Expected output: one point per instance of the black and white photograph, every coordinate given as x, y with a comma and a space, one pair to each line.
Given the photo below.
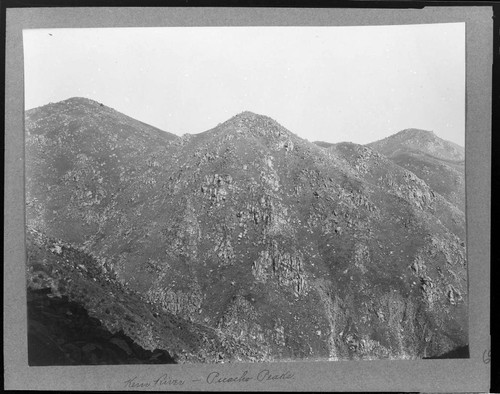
245, 194
232, 198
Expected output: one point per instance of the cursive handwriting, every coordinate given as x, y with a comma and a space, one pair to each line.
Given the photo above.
214, 377
263, 376
163, 380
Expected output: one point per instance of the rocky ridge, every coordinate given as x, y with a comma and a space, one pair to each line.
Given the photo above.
244, 242
440, 163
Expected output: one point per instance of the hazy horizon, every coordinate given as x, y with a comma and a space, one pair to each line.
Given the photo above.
332, 84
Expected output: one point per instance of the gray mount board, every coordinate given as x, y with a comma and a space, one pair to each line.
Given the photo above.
420, 375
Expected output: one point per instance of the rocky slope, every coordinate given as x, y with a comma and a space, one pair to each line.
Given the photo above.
244, 242
440, 163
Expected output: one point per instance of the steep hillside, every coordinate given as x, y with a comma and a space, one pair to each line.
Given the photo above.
244, 242
440, 163
79, 154
383, 172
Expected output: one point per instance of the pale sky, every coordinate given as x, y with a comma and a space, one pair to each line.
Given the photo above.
332, 84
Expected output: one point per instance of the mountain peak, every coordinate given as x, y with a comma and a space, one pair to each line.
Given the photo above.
80, 101
256, 124
247, 114
87, 111
249, 117
418, 140
418, 133
71, 102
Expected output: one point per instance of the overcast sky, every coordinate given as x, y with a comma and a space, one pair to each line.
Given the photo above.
332, 84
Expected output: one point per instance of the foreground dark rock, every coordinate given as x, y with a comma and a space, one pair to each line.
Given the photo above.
61, 332
242, 243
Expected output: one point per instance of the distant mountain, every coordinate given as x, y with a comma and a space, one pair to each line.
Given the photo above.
422, 141
440, 163
244, 242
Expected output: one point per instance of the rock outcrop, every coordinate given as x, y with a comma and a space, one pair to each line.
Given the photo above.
242, 243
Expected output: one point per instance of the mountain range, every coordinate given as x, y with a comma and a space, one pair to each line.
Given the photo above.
247, 242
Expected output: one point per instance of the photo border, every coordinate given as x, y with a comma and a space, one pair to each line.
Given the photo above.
450, 375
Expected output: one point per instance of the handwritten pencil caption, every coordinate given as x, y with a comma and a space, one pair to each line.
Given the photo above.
214, 377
